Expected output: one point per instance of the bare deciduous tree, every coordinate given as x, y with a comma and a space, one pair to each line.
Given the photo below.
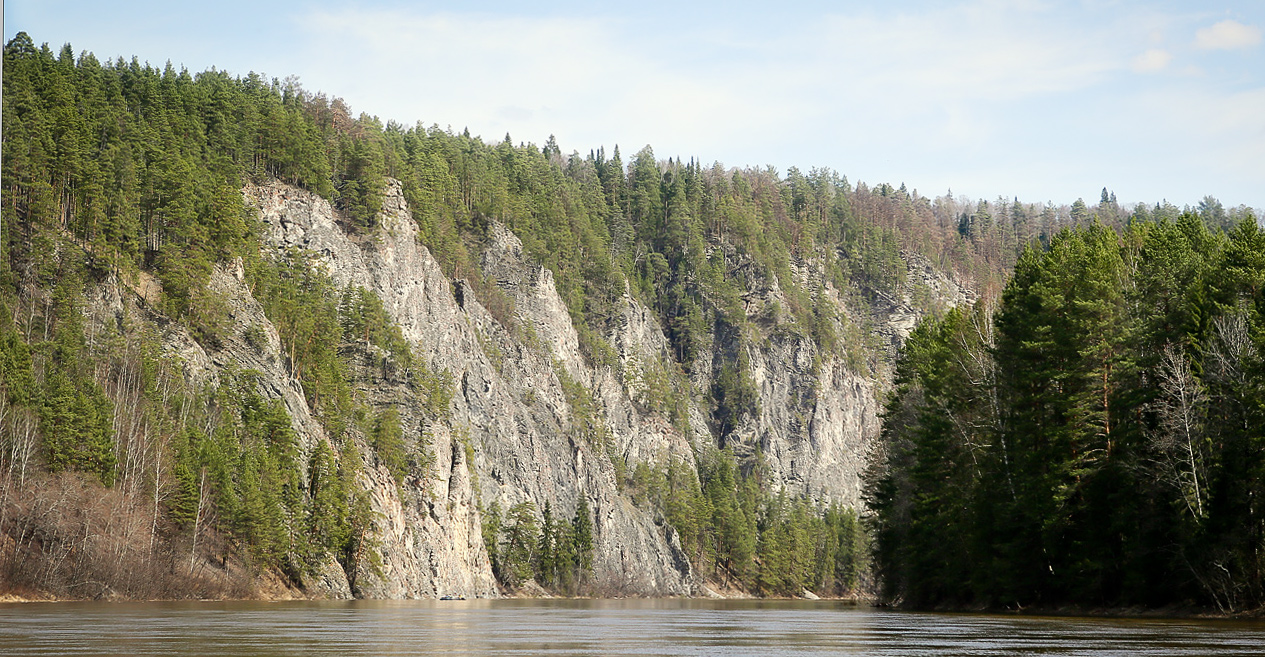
1179, 439
1232, 343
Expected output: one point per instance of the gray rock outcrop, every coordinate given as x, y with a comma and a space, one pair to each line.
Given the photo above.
512, 432
509, 407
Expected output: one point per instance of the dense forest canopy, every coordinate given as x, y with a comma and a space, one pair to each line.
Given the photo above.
120, 169
1094, 436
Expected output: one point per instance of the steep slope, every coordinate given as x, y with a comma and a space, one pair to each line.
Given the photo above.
658, 375
510, 408
817, 416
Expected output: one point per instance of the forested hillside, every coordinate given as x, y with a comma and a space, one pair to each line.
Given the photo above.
192, 405
120, 171
1094, 436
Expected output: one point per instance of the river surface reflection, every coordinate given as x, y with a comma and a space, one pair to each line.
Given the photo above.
587, 627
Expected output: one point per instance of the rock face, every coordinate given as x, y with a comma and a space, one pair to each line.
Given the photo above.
512, 432
926, 290
817, 420
818, 415
510, 436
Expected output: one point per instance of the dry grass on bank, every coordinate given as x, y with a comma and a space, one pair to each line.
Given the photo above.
66, 536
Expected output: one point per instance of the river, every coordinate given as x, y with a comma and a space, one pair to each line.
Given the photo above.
588, 627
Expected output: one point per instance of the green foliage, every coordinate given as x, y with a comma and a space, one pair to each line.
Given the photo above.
254, 470
146, 172
844, 551
734, 394
940, 388
143, 167
121, 168
660, 387
327, 521
1098, 439
75, 420
518, 548
585, 422
548, 545
491, 532
183, 507
555, 552
388, 443
17, 372
1034, 458
53, 380
734, 503
364, 175
582, 537
303, 303
741, 535
364, 318
684, 506
339, 512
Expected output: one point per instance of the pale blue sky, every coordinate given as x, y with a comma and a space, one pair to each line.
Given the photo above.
1047, 101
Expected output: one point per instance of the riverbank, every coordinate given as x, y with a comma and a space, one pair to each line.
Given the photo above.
1167, 612
1172, 612
271, 587
1096, 611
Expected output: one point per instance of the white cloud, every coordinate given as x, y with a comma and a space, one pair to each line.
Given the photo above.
590, 81
507, 58
978, 54
528, 77
1152, 61
705, 87
951, 80
997, 95
1228, 35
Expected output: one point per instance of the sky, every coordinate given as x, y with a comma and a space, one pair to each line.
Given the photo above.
1041, 101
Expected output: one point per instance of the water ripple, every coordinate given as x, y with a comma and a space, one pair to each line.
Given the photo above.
588, 627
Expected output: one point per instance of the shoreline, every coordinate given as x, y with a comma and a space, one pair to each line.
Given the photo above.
1172, 612
1168, 612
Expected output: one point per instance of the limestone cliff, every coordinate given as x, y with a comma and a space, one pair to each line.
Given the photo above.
510, 433
509, 408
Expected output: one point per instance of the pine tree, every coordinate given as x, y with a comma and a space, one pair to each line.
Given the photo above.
582, 538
